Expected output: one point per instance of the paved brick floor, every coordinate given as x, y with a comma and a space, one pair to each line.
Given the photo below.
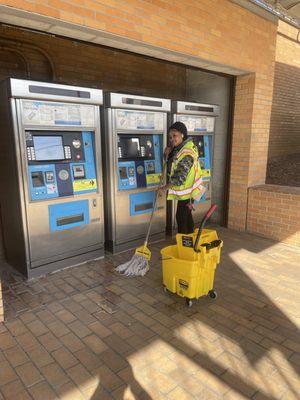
88, 333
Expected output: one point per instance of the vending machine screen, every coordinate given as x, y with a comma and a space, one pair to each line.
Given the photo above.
48, 148
134, 148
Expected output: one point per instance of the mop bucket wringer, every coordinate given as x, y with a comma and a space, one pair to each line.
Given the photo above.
189, 266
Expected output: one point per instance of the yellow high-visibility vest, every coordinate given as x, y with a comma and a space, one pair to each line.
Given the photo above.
192, 187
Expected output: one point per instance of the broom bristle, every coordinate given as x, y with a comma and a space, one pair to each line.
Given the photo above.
137, 266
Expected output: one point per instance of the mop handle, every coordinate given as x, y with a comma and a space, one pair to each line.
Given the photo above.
154, 206
203, 222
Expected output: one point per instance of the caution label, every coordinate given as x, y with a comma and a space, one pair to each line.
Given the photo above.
153, 179
80, 185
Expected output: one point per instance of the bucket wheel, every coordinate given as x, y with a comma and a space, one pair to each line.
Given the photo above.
213, 294
189, 302
165, 289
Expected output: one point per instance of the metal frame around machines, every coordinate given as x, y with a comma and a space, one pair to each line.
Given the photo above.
189, 109
18, 210
116, 225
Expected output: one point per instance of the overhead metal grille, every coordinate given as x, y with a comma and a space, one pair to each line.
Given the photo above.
287, 10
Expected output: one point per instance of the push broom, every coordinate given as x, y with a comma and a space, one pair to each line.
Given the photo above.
139, 263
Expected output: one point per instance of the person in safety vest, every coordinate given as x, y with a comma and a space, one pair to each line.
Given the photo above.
184, 182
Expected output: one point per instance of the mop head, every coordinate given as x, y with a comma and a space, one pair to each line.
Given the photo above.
137, 266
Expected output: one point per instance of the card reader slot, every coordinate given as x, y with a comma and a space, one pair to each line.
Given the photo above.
70, 219
143, 207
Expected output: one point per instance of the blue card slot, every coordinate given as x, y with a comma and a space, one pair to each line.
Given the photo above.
68, 215
141, 203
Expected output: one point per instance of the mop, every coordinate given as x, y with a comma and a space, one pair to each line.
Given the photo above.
139, 263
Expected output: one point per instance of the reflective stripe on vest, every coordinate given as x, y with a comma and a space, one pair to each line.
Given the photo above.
182, 192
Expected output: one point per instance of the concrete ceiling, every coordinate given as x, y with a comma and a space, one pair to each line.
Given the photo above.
291, 7
288, 10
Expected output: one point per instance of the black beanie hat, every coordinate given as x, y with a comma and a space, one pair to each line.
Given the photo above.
180, 127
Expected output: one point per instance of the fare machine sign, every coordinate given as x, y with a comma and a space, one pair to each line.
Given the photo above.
200, 122
135, 139
60, 187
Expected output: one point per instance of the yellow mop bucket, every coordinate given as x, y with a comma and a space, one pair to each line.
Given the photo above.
189, 266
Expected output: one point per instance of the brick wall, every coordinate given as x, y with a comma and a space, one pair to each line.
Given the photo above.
285, 116
274, 212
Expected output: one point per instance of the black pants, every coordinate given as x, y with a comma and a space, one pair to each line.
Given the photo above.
184, 217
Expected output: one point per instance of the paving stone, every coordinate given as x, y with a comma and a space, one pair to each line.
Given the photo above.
64, 358
7, 374
58, 328
6, 341
117, 344
54, 375
80, 376
179, 393
99, 329
42, 391
109, 380
50, 342
65, 316
113, 360
27, 341
72, 342
121, 330
40, 356
15, 391
95, 344
27, 317
16, 356
45, 316
79, 329
84, 317
291, 344
69, 391
16, 327
29, 374
88, 359
37, 328
295, 358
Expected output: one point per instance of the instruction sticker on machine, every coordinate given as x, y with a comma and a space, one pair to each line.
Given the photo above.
153, 179
198, 124
51, 113
81, 185
139, 120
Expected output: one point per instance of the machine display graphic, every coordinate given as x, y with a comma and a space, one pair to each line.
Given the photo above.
56, 195
48, 148
134, 141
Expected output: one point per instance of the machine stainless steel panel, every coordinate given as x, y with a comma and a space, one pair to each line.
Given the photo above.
59, 201
142, 124
200, 121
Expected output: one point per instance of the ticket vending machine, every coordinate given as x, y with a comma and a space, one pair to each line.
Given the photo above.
134, 140
200, 122
52, 200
